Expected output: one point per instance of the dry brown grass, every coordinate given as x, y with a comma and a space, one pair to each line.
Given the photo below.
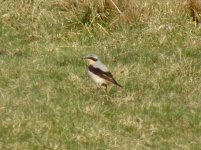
101, 15
195, 8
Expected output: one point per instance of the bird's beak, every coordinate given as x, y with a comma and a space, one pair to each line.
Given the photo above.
85, 60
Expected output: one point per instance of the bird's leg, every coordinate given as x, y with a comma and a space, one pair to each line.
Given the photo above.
105, 87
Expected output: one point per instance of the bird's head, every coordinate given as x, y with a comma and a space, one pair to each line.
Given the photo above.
91, 59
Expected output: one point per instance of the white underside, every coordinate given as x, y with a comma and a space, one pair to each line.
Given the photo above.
96, 79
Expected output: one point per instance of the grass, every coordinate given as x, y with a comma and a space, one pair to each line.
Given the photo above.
48, 102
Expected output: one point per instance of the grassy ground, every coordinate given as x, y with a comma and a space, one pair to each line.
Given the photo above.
48, 102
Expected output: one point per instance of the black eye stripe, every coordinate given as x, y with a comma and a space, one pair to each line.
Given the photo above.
92, 58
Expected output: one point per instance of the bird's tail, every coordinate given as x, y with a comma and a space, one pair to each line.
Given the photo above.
119, 85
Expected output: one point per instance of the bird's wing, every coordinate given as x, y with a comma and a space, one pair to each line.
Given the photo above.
105, 75
101, 66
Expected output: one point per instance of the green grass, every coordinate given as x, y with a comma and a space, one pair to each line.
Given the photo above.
48, 102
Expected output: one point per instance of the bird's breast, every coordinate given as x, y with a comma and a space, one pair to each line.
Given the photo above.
96, 78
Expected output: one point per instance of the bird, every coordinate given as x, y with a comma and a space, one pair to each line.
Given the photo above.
98, 72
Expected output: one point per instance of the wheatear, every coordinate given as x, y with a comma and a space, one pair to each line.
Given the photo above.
98, 72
